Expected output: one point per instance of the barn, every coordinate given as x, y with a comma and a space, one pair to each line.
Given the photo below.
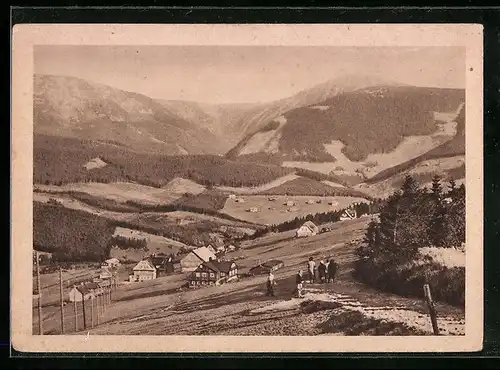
111, 262
144, 270
267, 266
193, 259
84, 291
307, 229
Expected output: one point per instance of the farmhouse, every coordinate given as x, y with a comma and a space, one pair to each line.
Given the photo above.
333, 203
144, 270
307, 229
102, 283
214, 272
192, 260
348, 214
272, 199
289, 203
232, 196
253, 209
164, 264
239, 200
265, 267
230, 248
84, 291
105, 274
310, 201
211, 248
111, 262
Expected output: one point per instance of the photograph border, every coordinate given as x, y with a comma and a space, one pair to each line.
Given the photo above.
24, 36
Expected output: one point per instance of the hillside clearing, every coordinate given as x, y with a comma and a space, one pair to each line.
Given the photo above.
274, 212
117, 191
180, 186
155, 244
452, 167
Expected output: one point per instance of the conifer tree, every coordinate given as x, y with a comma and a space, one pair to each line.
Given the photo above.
437, 214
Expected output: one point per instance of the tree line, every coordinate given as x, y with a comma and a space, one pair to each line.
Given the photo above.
414, 217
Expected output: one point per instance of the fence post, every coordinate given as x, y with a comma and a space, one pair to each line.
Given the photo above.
84, 315
61, 299
98, 307
92, 309
432, 308
76, 313
39, 288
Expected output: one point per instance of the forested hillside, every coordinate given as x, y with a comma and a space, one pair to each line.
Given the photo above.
371, 120
70, 235
61, 160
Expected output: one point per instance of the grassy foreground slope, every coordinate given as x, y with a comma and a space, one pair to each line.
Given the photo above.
241, 308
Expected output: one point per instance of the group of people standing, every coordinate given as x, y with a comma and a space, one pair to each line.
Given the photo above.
325, 273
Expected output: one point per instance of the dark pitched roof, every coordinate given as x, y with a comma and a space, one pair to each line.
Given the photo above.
219, 266
86, 288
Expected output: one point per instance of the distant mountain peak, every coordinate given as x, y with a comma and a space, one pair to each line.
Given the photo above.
355, 81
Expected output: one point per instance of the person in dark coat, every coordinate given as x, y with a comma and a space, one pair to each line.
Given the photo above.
332, 270
322, 271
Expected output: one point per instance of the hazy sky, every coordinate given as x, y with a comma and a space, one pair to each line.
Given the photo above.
236, 74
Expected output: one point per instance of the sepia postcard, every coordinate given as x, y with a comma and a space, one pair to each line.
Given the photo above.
247, 188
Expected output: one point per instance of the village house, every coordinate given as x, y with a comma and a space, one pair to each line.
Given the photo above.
111, 262
289, 203
214, 272
310, 201
193, 259
272, 199
143, 271
232, 196
211, 248
230, 248
348, 214
164, 264
105, 273
239, 200
221, 249
84, 291
253, 209
333, 203
267, 266
307, 229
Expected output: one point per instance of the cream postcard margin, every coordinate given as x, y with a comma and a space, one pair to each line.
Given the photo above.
25, 36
